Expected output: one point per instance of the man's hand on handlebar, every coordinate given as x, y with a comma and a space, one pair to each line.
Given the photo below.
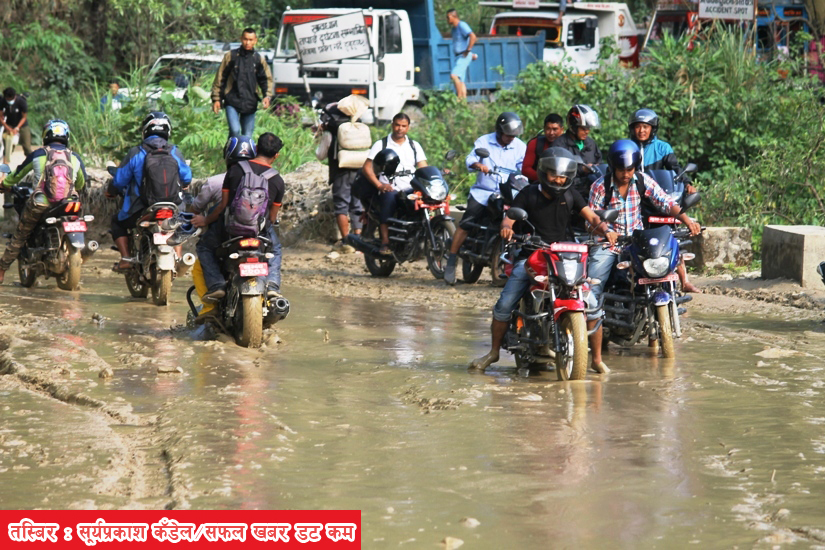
506, 233
483, 168
612, 237
694, 227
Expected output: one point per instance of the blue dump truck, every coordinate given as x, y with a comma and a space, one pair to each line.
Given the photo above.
408, 56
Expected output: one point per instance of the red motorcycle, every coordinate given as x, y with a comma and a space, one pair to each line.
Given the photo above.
550, 324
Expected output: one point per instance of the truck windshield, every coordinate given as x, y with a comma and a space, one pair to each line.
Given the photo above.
551, 31
184, 72
286, 41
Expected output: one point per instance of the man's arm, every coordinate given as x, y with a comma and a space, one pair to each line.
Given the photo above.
373, 179
200, 221
529, 160
217, 84
266, 83
80, 177
184, 171
3, 120
600, 227
20, 124
273, 212
472, 42
20, 173
473, 162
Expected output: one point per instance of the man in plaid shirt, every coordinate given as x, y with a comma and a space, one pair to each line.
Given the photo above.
623, 158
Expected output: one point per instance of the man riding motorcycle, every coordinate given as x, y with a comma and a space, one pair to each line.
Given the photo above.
658, 155
549, 205
129, 181
55, 142
619, 190
506, 151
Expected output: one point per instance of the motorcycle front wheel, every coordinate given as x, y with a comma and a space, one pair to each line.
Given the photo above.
665, 331
571, 358
443, 233
249, 328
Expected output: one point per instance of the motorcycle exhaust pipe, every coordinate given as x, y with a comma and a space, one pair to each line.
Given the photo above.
183, 264
89, 250
279, 309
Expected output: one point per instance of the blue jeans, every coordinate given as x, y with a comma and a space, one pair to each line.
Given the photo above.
212, 240
517, 284
600, 264
240, 124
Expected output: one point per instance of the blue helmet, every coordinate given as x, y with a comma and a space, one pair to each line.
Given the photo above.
239, 148
624, 154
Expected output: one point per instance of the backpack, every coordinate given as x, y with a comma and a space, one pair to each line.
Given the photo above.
58, 174
161, 179
410, 141
247, 212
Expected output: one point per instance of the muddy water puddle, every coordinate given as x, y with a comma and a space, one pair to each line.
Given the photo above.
368, 405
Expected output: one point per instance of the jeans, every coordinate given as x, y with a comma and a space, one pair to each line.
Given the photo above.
240, 124
212, 240
517, 284
600, 264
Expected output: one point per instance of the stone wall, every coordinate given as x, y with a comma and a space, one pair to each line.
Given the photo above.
720, 246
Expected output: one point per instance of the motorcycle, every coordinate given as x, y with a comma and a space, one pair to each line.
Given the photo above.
56, 247
154, 262
245, 310
641, 299
422, 226
550, 323
484, 246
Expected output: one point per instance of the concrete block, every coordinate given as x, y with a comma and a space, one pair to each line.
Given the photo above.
793, 252
718, 246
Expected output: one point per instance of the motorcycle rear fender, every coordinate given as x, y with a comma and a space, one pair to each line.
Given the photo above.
165, 260
661, 298
251, 286
563, 306
76, 239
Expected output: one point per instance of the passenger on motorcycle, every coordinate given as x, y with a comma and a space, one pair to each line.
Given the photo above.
553, 128
506, 151
411, 156
55, 140
129, 181
618, 190
267, 150
581, 120
658, 155
549, 206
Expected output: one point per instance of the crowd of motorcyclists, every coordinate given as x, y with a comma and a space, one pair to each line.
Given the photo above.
568, 185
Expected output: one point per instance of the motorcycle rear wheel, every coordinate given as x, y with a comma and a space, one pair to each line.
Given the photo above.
571, 359
665, 331
162, 287
27, 274
437, 257
496, 265
70, 278
377, 266
249, 328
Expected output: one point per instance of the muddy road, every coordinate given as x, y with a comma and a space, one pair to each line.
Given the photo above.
361, 400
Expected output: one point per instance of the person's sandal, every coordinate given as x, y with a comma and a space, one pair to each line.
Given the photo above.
119, 267
385, 250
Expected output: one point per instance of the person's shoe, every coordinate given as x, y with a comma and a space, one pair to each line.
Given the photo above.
484, 361
601, 368
205, 316
214, 296
449, 269
272, 292
385, 250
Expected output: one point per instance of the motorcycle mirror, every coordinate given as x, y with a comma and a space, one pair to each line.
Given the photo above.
608, 215
4, 169
517, 214
112, 170
690, 168
691, 200
482, 153
451, 154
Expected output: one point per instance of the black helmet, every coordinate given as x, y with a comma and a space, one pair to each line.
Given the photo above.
56, 131
509, 124
386, 162
559, 162
624, 154
648, 116
239, 148
156, 123
584, 116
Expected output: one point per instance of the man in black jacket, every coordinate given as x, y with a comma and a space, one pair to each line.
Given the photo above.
241, 73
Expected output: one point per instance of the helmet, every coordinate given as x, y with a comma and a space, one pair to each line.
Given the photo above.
582, 116
509, 124
559, 162
56, 131
624, 153
239, 148
156, 123
386, 162
648, 116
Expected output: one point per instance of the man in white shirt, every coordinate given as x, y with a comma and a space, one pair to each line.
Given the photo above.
411, 156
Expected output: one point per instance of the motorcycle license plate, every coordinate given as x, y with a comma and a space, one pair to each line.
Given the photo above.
666, 279
160, 238
256, 269
69, 227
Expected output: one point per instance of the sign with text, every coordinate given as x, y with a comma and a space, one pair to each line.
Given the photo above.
726, 9
525, 4
332, 38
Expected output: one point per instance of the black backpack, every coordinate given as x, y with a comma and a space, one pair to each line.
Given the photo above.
161, 180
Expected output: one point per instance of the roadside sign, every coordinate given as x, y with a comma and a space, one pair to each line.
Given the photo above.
726, 9
332, 38
526, 4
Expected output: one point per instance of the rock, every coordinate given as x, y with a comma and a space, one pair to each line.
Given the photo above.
472, 523
530, 397
718, 246
776, 353
332, 256
170, 370
793, 252
326, 336
97, 317
451, 543
106, 372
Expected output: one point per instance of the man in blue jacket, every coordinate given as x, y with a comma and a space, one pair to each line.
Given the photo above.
128, 181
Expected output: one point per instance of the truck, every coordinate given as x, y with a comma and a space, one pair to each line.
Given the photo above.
409, 56
574, 39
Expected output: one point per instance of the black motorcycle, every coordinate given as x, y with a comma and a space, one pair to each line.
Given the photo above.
484, 246
245, 310
420, 228
56, 247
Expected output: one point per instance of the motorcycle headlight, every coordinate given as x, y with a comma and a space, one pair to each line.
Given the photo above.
657, 267
437, 190
570, 271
